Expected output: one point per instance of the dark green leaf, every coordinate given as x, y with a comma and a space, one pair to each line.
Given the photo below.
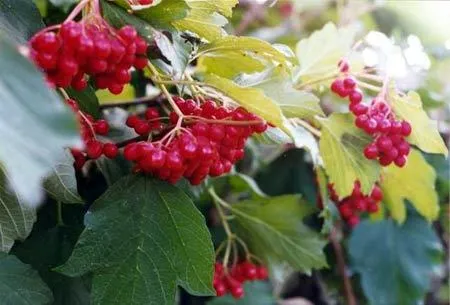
256, 293
20, 284
395, 262
87, 100
19, 19
35, 125
114, 169
159, 16
16, 219
62, 183
143, 237
274, 230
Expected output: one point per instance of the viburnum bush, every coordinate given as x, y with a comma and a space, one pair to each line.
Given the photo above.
149, 157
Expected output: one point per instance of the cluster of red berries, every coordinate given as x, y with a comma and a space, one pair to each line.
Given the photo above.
231, 280
352, 206
378, 120
89, 128
92, 48
143, 127
205, 145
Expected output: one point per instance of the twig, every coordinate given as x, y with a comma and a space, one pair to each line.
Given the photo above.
349, 294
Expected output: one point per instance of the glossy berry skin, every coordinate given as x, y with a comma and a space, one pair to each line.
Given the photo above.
352, 206
389, 145
89, 49
203, 149
110, 150
231, 280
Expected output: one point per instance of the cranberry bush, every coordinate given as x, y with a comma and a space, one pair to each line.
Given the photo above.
148, 157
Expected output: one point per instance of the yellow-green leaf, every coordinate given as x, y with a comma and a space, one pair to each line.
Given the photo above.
219, 64
244, 45
320, 53
425, 134
341, 147
414, 182
205, 19
251, 99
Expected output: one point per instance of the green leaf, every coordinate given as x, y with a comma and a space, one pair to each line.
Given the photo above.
320, 53
19, 19
86, 100
242, 45
251, 99
290, 173
341, 147
20, 284
273, 229
277, 84
395, 262
16, 219
35, 125
219, 64
205, 19
415, 182
256, 293
143, 237
160, 16
118, 17
64, 4
425, 134
177, 51
62, 183
114, 169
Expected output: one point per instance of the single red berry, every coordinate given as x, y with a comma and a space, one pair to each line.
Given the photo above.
101, 127
355, 96
403, 148
349, 83
384, 143
400, 161
237, 292
406, 128
358, 109
262, 273
110, 150
376, 193
94, 149
221, 289
142, 128
371, 151
132, 121
131, 152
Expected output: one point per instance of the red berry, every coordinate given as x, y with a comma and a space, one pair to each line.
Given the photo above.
384, 143
101, 127
358, 109
131, 152
94, 149
376, 193
262, 273
142, 128
403, 148
221, 289
355, 96
371, 151
406, 128
237, 292
132, 121
110, 150
400, 161
128, 33
349, 83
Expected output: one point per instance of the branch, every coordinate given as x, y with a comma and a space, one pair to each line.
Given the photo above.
349, 294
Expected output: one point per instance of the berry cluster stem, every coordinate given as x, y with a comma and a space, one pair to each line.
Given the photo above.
308, 127
156, 79
317, 80
77, 10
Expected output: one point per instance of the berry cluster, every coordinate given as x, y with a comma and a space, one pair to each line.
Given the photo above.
350, 207
204, 145
143, 127
231, 280
89, 128
378, 120
92, 48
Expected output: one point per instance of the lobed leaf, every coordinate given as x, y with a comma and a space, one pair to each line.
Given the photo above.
395, 262
415, 183
143, 237
273, 229
341, 148
425, 134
